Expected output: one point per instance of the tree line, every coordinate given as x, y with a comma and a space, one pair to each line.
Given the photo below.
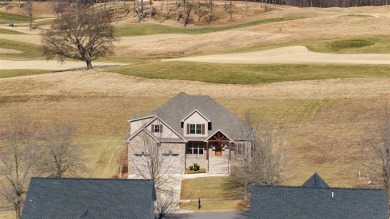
27, 149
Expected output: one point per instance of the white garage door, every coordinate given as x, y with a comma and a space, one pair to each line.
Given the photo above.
170, 164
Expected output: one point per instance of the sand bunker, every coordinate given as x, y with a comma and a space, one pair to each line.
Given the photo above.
9, 51
289, 55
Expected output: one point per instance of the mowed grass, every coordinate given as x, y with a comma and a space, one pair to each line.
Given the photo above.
30, 51
369, 44
9, 73
140, 29
211, 205
6, 18
204, 188
8, 31
248, 74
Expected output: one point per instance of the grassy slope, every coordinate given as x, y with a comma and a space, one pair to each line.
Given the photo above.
362, 44
140, 29
249, 74
7, 31
6, 18
21, 72
102, 123
30, 51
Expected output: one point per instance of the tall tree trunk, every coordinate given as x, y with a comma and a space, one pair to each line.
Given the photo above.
198, 10
211, 11
17, 209
177, 10
89, 64
142, 7
230, 8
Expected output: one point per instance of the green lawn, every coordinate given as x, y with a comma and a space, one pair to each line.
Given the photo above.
211, 205
368, 44
30, 51
212, 192
6, 18
248, 74
204, 188
5, 73
7, 31
139, 29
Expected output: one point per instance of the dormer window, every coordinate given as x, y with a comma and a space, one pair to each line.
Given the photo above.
198, 129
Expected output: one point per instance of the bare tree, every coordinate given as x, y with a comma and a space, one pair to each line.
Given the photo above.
84, 35
228, 8
380, 144
187, 12
18, 152
262, 161
29, 9
210, 5
58, 8
61, 156
152, 159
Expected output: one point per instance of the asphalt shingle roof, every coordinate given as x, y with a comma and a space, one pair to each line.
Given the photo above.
315, 181
88, 198
316, 202
182, 105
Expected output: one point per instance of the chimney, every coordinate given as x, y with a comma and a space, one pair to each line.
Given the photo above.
332, 194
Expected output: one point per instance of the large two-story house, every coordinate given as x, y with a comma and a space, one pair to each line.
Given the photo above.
188, 129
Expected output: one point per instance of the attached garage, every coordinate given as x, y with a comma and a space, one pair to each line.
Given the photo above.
169, 164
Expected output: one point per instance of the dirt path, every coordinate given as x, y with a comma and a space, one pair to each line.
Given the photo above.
48, 65
289, 55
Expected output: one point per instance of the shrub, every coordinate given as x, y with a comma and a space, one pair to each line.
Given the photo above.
191, 168
196, 167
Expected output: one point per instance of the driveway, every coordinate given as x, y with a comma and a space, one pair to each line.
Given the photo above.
211, 215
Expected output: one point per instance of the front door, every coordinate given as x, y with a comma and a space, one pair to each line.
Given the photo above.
218, 150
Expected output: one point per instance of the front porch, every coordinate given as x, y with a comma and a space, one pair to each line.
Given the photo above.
214, 155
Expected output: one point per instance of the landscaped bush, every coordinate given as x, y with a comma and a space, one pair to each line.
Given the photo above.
191, 168
196, 167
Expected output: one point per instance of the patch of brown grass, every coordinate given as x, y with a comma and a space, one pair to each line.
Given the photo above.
325, 120
211, 205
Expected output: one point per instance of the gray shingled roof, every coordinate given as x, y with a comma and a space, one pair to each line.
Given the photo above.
88, 198
180, 106
315, 181
305, 202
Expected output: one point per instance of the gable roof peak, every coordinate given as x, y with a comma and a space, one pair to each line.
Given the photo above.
315, 181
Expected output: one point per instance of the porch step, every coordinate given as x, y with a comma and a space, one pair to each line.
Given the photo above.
219, 165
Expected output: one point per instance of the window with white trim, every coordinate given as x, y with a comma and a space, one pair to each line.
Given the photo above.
195, 148
196, 129
240, 148
192, 128
157, 128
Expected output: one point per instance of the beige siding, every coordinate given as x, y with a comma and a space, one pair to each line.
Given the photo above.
135, 125
167, 132
137, 146
195, 118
